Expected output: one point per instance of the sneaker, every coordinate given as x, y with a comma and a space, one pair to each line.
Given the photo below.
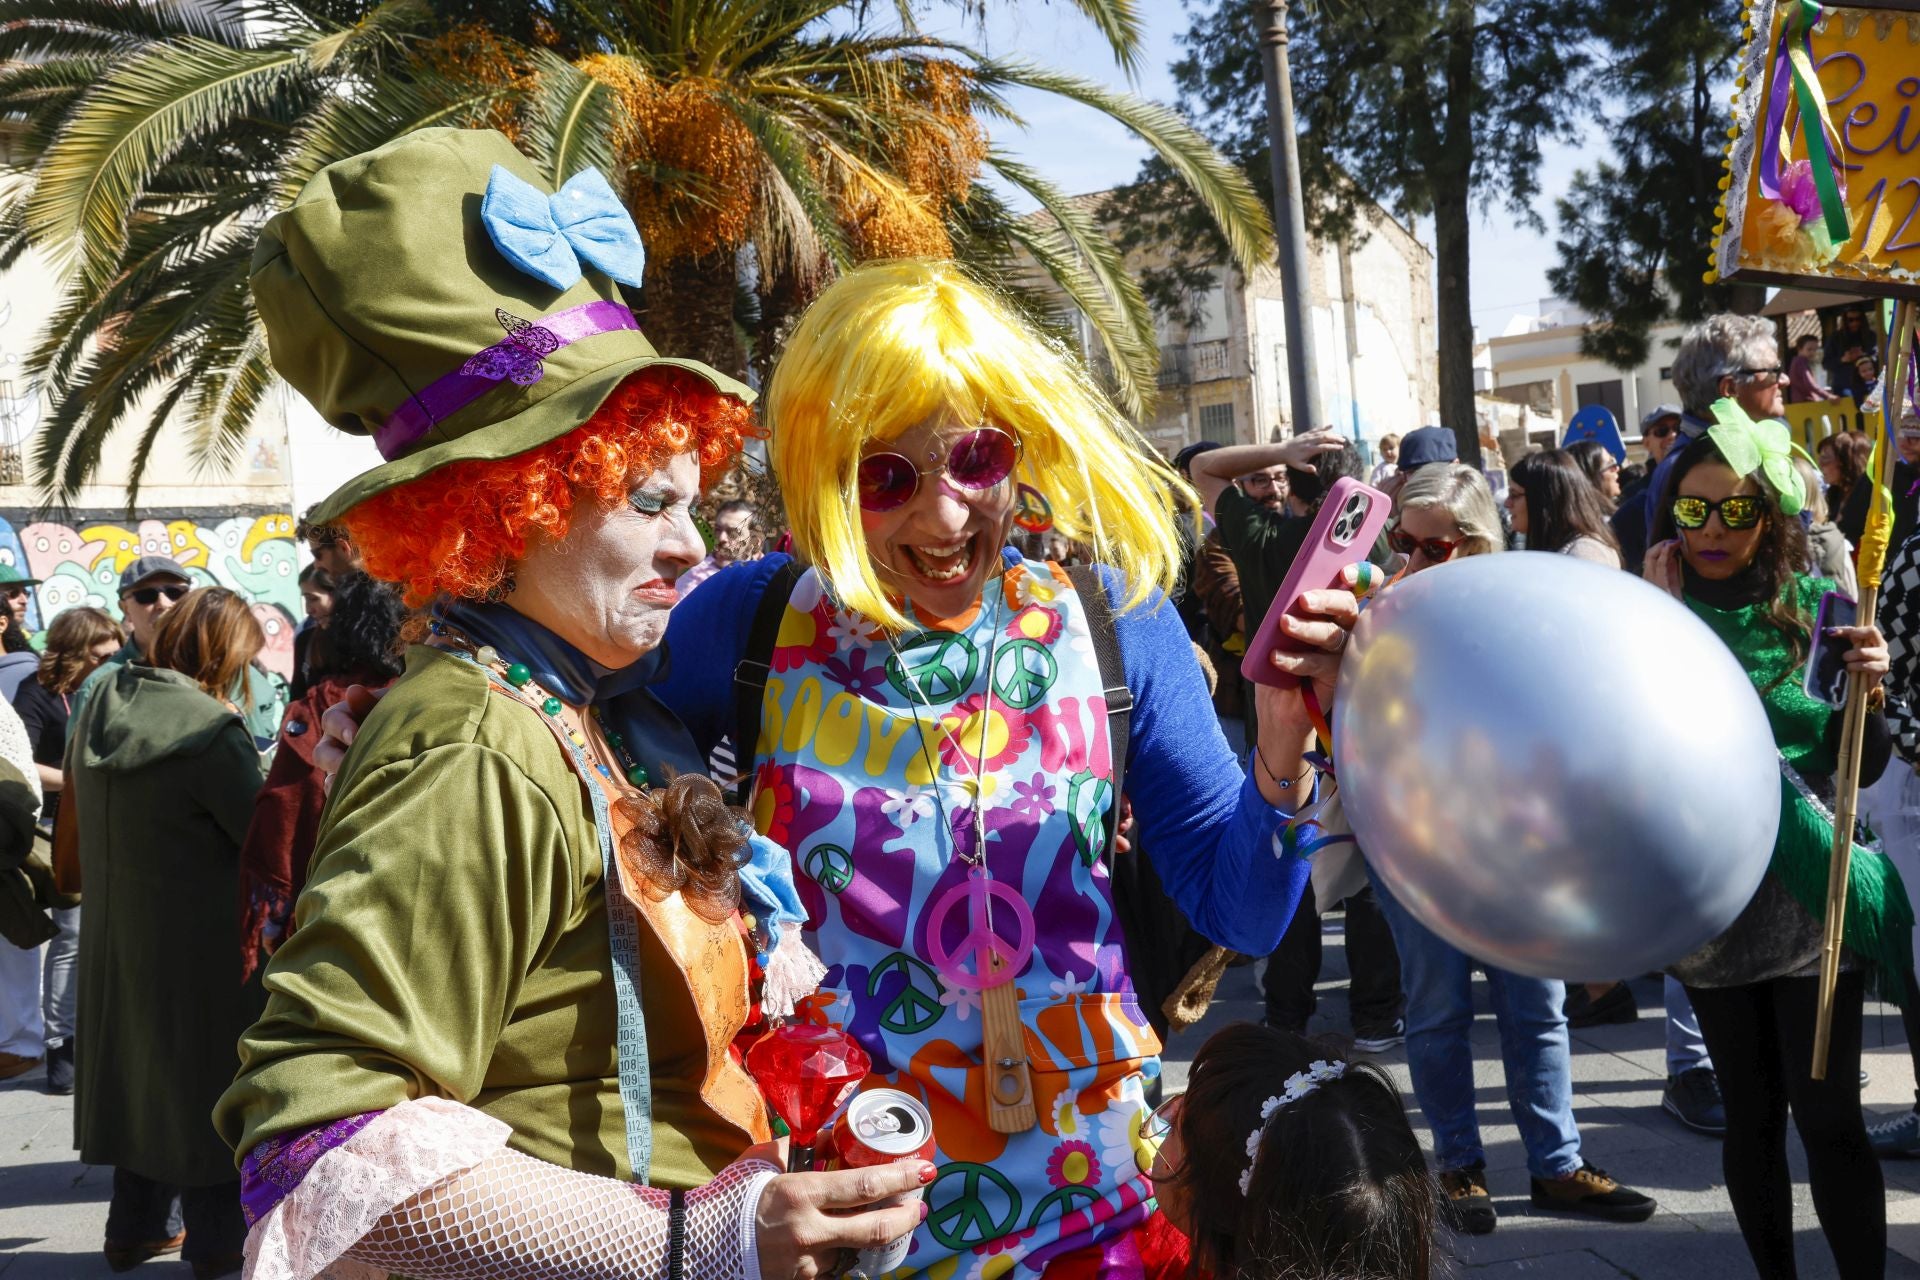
1381, 1039
15, 1064
1693, 1098
125, 1257
1468, 1208
1590, 1191
1897, 1139
1615, 1005
60, 1068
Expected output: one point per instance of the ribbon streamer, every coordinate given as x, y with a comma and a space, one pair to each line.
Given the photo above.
1794, 79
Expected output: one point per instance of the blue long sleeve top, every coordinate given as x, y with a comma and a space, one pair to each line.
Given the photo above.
1202, 820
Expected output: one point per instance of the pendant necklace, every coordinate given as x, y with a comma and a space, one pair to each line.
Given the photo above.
996, 962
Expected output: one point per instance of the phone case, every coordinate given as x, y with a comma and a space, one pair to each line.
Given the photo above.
1349, 523
1826, 674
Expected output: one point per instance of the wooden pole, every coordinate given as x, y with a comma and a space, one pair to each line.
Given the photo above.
1846, 776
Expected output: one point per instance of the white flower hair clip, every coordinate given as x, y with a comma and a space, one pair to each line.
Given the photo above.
1298, 1086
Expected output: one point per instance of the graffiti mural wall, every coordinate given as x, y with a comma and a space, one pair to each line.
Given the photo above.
80, 559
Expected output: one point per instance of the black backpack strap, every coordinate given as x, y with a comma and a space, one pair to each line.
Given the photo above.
1113, 675
750, 677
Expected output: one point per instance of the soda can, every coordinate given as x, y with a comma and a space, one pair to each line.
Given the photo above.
883, 1126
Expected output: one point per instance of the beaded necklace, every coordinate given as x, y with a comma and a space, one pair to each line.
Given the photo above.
520, 677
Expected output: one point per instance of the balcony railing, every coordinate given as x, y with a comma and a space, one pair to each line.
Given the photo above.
1188, 362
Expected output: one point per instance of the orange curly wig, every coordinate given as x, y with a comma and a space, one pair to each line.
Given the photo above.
457, 531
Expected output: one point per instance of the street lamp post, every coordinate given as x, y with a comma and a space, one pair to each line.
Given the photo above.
1289, 218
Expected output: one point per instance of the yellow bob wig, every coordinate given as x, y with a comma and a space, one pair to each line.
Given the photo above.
890, 344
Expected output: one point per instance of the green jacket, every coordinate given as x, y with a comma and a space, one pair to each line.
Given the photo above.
164, 781
262, 699
452, 940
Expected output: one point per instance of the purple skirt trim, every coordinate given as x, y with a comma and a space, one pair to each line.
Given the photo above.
274, 1168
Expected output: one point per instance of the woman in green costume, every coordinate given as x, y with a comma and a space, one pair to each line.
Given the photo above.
164, 776
1730, 546
496, 1043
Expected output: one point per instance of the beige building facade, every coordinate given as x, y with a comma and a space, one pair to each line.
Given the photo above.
1224, 377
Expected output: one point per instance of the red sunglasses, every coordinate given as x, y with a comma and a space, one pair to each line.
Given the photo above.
1437, 550
978, 460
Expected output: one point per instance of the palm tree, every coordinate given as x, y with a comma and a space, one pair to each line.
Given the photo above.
762, 145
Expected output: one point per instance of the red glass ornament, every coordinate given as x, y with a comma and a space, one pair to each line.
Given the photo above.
806, 1071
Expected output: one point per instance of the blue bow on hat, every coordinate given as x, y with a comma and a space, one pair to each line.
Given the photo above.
548, 236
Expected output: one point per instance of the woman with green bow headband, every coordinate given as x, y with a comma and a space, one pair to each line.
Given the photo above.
1728, 545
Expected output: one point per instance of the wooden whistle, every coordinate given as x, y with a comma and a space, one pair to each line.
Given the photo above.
1010, 1106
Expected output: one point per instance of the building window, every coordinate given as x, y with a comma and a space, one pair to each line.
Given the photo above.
1611, 394
1216, 422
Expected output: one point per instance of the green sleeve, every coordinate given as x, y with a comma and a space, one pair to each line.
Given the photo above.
225, 780
1238, 521
438, 883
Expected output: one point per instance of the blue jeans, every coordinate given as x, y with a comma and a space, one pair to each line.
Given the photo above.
1531, 1016
1686, 1047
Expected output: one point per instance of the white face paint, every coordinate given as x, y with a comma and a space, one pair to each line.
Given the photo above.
607, 587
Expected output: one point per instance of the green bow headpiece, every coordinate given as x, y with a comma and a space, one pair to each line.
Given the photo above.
1763, 446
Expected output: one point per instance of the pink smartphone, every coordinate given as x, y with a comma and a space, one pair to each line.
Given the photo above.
1344, 532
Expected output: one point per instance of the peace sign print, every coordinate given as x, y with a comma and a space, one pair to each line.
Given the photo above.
1023, 672
1088, 799
943, 663
917, 1006
830, 866
970, 1204
1064, 1200
996, 960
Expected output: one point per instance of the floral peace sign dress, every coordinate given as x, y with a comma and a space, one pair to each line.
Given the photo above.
848, 785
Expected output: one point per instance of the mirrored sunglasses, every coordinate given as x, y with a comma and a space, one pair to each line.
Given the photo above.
1739, 512
977, 461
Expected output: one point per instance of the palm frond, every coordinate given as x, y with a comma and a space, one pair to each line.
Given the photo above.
573, 121
788, 154
1135, 364
1216, 182
150, 107
1090, 241
33, 30
225, 402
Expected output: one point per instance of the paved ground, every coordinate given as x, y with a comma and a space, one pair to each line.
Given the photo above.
52, 1207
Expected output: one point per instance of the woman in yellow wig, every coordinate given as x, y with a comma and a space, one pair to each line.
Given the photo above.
937, 728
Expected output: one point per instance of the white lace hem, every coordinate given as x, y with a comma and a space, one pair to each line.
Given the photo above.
403, 1152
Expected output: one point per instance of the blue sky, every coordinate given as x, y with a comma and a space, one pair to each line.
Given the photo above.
1084, 151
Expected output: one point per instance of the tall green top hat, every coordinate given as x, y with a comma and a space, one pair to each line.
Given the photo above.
437, 295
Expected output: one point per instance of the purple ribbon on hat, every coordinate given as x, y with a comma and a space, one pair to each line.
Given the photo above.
512, 359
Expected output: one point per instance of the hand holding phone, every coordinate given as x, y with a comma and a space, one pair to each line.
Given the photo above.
1350, 522
1826, 678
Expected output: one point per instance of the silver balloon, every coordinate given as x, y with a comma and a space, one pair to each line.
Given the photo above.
1553, 765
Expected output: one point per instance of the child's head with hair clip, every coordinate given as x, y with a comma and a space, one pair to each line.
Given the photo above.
1283, 1162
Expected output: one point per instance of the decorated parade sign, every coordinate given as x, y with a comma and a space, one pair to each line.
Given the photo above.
1823, 167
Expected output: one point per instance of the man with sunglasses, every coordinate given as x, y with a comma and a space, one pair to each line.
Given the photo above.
1659, 432
149, 588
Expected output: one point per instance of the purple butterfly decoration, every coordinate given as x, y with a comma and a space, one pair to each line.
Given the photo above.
519, 359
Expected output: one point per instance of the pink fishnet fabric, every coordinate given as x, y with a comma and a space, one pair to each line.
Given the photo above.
506, 1216
512, 1217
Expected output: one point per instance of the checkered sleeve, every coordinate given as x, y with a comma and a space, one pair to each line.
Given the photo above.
1900, 622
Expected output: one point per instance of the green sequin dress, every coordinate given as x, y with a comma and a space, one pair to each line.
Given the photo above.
1779, 933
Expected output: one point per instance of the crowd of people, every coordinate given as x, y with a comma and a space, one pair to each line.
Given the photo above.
442, 965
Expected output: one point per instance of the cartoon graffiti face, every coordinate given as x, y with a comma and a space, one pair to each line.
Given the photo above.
49, 545
277, 625
70, 585
188, 548
269, 575
264, 529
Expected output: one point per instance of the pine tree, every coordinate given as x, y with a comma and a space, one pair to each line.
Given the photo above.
1428, 106
1635, 231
